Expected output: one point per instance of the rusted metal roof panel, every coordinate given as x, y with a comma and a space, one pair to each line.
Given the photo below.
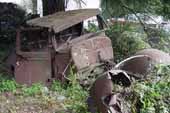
63, 20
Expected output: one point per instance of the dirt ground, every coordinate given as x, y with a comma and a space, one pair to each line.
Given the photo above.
15, 103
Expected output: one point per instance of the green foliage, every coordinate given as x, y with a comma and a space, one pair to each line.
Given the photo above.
154, 93
77, 98
12, 16
118, 8
159, 39
165, 9
7, 84
32, 90
57, 86
75, 94
126, 40
92, 27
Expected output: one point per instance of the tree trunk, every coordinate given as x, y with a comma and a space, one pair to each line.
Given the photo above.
52, 6
34, 6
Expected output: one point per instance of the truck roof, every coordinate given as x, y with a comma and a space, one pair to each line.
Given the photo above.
62, 20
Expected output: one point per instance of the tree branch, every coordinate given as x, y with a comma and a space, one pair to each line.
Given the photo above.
135, 13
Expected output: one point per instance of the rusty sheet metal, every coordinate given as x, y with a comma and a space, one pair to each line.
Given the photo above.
60, 65
114, 103
138, 66
103, 87
30, 70
142, 63
156, 55
33, 55
32, 66
88, 52
64, 47
63, 20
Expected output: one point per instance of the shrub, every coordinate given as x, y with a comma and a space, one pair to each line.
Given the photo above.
32, 90
153, 94
126, 41
8, 85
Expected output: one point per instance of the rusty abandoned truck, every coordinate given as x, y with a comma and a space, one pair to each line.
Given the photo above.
46, 48
50, 45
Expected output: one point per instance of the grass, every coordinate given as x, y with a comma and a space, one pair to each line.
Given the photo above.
75, 94
70, 97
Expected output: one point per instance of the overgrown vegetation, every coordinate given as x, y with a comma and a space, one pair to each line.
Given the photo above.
158, 38
12, 16
126, 40
7, 84
122, 8
75, 94
72, 96
153, 94
129, 38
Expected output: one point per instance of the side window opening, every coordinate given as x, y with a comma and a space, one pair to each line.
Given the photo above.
34, 40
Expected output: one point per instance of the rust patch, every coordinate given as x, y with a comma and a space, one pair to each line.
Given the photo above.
32, 71
138, 66
33, 62
101, 91
90, 51
60, 65
142, 63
